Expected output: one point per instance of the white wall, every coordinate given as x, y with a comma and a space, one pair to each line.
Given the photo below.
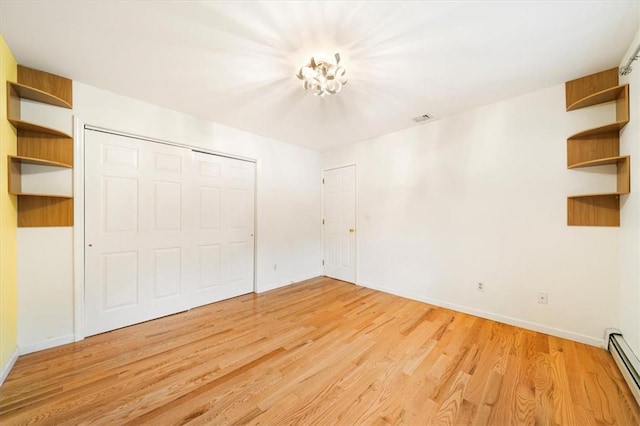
630, 213
481, 197
45, 288
288, 208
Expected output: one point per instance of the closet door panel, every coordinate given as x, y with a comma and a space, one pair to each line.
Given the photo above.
135, 230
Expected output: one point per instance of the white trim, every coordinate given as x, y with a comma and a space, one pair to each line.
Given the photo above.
321, 220
338, 167
6, 368
541, 328
291, 282
166, 142
47, 344
258, 165
78, 229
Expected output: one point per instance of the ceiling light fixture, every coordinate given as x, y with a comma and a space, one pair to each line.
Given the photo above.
322, 77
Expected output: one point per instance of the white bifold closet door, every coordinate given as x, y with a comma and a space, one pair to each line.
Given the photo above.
166, 229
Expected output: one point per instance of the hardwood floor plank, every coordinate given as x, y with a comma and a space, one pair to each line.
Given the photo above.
319, 352
545, 409
562, 401
449, 409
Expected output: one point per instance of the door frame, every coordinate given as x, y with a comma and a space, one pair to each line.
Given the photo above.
355, 167
79, 127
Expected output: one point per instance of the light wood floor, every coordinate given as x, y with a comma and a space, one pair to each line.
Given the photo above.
322, 352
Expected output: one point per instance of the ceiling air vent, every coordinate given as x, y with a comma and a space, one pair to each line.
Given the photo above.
422, 118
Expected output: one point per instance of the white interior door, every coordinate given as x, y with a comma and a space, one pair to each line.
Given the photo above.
166, 229
339, 218
224, 231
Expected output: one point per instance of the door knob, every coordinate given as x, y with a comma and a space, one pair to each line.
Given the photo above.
352, 230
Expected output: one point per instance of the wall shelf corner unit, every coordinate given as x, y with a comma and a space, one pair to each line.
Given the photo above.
33, 127
598, 146
21, 169
593, 210
40, 175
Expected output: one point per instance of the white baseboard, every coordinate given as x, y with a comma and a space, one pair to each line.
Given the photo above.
47, 344
529, 325
260, 290
6, 368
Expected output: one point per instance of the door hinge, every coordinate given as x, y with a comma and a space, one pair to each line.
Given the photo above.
322, 180
323, 263
323, 221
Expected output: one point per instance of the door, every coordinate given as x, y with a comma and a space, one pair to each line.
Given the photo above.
166, 229
339, 219
136, 226
224, 228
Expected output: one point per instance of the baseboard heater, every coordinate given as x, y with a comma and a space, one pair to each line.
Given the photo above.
626, 360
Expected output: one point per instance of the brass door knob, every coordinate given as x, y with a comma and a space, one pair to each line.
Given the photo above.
352, 230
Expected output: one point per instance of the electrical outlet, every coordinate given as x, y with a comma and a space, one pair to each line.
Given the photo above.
480, 286
543, 298
275, 266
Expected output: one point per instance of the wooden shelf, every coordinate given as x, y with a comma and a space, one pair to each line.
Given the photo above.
584, 87
609, 128
37, 211
600, 209
15, 163
46, 147
32, 127
592, 148
29, 194
594, 210
55, 85
623, 174
597, 147
27, 92
598, 194
41, 151
600, 162
601, 97
39, 161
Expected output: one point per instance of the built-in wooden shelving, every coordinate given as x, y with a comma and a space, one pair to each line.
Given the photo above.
16, 159
15, 174
23, 91
607, 95
598, 146
600, 162
594, 210
32, 127
600, 130
43, 149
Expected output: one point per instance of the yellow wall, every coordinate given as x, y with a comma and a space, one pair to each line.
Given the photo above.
8, 220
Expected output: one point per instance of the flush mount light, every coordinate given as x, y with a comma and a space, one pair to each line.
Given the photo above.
322, 77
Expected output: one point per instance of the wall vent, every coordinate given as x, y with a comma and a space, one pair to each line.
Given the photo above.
422, 118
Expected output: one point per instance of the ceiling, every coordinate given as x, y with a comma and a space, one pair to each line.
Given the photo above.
235, 62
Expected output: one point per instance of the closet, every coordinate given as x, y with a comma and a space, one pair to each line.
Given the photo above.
166, 229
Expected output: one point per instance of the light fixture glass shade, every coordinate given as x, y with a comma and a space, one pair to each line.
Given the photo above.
323, 77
